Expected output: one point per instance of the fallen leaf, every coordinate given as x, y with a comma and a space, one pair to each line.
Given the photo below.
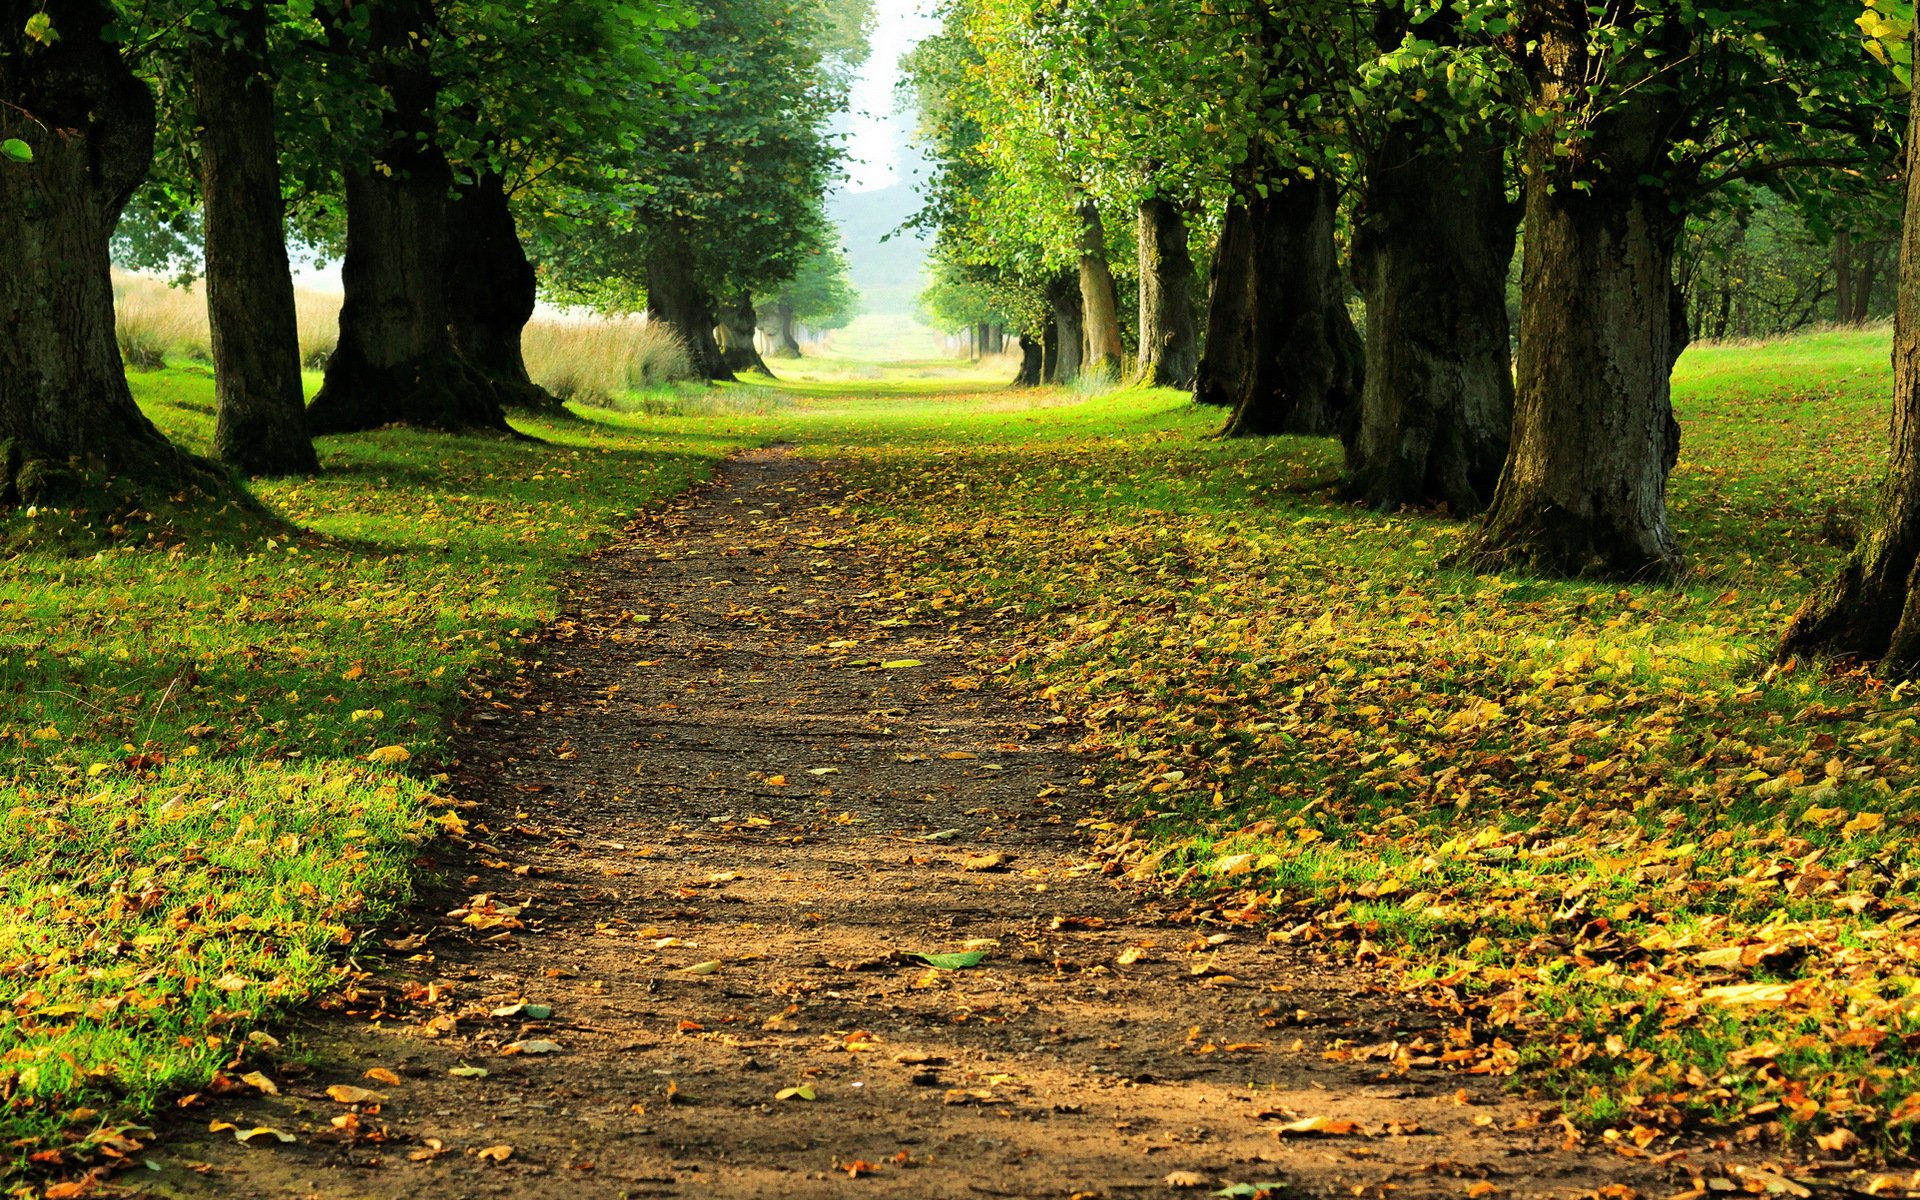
346, 1093
382, 1075
390, 756
952, 962
1186, 1179
702, 968
468, 1072
499, 1153
260, 1083
1318, 1127
258, 1132
803, 1092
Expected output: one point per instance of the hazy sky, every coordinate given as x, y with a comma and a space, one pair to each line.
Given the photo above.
877, 133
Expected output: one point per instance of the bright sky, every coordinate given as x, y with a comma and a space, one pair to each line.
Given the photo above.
877, 133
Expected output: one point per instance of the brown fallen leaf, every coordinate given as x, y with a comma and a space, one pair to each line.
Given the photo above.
346, 1093
1317, 1127
382, 1075
984, 862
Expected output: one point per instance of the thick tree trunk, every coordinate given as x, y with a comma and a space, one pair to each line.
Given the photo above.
1585, 485
1169, 337
491, 290
1434, 242
680, 303
1099, 302
396, 362
1843, 278
737, 349
1221, 374
786, 341
70, 433
1871, 611
1303, 357
1064, 298
1032, 363
1050, 351
261, 428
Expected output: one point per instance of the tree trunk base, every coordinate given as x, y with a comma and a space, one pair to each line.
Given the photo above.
1543, 538
443, 393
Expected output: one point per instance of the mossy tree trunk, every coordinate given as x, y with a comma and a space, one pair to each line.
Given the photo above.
678, 301
1221, 373
1870, 612
738, 321
1303, 358
396, 361
70, 432
492, 290
1064, 299
1099, 301
261, 426
1434, 243
1169, 337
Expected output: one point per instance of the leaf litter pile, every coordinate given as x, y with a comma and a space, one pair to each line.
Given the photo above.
762, 891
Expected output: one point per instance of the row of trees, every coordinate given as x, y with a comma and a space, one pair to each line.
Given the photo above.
671, 153
1409, 146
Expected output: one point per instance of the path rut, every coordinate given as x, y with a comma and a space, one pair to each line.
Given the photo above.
718, 758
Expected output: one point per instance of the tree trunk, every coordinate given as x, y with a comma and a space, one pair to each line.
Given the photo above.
1099, 303
680, 303
1032, 363
1303, 358
70, 432
737, 349
491, 291
261, 428
1064, 298
1221, 374
1050, 350
1866, 273
1169, 339
982, 332
1871, 611
786, 342
996, 339
1585, 485
396, 362
1434, 242
1843, 278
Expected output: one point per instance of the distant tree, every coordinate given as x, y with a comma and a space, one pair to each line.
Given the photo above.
820, 296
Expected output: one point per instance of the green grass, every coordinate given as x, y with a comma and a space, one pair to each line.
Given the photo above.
197, 834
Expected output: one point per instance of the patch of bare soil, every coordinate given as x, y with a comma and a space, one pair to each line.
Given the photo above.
715, 824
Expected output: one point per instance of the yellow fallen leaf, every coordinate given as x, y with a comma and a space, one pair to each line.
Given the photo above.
390, 756
495, 1153
260, 1083
260, 1133
1748, 993
1864, 823
382, 1075
1318, 1127
702, 968
901, 664
346, 1093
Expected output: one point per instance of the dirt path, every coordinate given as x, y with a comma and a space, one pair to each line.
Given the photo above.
716, 816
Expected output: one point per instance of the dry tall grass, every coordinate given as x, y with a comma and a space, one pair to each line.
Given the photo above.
157, 321
598, 361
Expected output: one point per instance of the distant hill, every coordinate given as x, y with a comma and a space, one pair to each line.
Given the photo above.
887, 272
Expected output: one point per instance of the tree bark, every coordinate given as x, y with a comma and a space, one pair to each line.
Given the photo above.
1064, 299
1871, 611
1221, 374
675, 299
1594, 438
1032, 362
1169, 337
396, 361
786, 342
1434, 242
1050, 350
70, 432
982, 334
1866, 274
1303, 357
491, 291
1843, 277
737, 350
261, 427
1099, 302
996, 338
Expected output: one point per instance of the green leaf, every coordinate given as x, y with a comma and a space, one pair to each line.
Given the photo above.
16, 150
40, 29
952, 962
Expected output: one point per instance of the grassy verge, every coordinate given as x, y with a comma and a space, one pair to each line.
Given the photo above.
1643, 873
221, 758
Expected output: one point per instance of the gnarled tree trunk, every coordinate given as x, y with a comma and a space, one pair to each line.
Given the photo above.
70, 432
786, 341
738, 321
396, 362
1221, 374
1099, 302
1303, 357
1434, 242
677, 300
261, 427
1064, 297
1871, 611
491, 291
1169, 337
1584, 491
1032, 362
